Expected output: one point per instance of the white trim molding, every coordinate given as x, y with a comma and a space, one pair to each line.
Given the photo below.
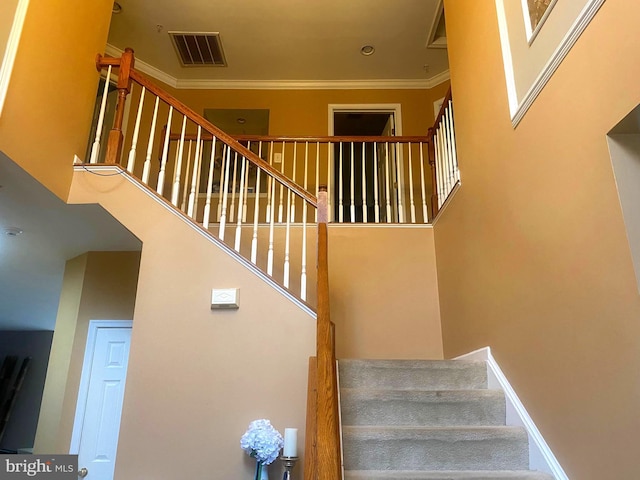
541, 457
519, 106
12, 49
208, 84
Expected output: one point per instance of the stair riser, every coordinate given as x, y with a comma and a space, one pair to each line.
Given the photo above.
448, 376
423, 410
435, 454
378, 475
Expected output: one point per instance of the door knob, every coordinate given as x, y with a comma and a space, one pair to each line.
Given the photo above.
83, 472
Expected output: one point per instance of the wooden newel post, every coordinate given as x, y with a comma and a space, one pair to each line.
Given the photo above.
434, 178
323, 210
328, 430
114, 144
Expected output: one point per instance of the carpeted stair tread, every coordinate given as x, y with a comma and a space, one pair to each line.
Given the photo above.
410, 374
422, 407
446, 475
435, 448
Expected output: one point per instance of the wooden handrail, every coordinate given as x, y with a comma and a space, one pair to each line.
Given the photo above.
331, 139
443, 108
328, 431
131, 74
224, 137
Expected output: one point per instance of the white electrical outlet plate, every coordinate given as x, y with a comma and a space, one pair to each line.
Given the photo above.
225, 298
277, 158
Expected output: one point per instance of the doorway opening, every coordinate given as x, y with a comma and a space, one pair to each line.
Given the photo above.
356, 164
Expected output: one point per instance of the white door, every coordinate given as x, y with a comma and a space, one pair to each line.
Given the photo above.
97, 422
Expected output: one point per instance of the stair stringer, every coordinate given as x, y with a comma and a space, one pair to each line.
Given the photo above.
541, 457
116, 170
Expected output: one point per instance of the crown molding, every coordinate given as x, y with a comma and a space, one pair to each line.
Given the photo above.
206, 84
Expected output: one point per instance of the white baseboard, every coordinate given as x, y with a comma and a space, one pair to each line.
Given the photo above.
541, 457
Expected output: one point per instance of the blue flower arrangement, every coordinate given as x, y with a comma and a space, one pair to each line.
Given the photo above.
262, 442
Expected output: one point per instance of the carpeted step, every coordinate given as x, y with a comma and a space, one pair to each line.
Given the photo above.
435, 448
422, 407
446, 475
412, 374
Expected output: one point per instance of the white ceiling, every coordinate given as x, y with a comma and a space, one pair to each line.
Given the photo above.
32, 264
288, 40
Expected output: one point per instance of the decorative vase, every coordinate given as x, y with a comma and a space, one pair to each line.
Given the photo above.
262, 471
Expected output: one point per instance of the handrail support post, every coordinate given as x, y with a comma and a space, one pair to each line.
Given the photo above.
116, 138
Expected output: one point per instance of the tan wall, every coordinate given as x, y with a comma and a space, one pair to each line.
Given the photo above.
384, 293
532, 254
7, 12
96, 286
197, 377
305, 112
47, 113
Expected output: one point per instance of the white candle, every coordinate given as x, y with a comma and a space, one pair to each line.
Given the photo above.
290, 442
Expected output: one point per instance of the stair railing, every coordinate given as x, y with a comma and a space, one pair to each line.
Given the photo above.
208, 182
443, 157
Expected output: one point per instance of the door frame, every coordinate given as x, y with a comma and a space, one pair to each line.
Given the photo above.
394, 108
83, 390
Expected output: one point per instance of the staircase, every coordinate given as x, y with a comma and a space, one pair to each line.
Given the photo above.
436, 420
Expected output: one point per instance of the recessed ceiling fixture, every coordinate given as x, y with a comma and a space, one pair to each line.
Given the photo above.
12, 231
117, 8
367, 50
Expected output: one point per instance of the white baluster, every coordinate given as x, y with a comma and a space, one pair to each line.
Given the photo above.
303, 274
223, 162
232, 209
196, 197
352, 210
340, 204
281, 205
165, 153
191, 211
269, 181
175, 190
447, 161
256, 213
223, 216
330, 213
425, 215
207, 205
239, 223
306, 183
95, 148
147, 161
272, 221
293, 177
364, 184
399, 169
287, 241
376, 206
452, 139
317, 176
442, 165
246, 188
387, 181
183, 205
136, 131
412, 204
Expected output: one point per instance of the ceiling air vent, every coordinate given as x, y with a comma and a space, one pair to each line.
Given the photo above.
199, 49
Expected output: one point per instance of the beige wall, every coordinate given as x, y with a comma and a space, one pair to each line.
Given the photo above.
305, 112
197, 377
384, 293
96, 286
532, 254
47, 113
7, 12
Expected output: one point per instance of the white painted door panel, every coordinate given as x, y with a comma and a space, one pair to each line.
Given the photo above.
101, 421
